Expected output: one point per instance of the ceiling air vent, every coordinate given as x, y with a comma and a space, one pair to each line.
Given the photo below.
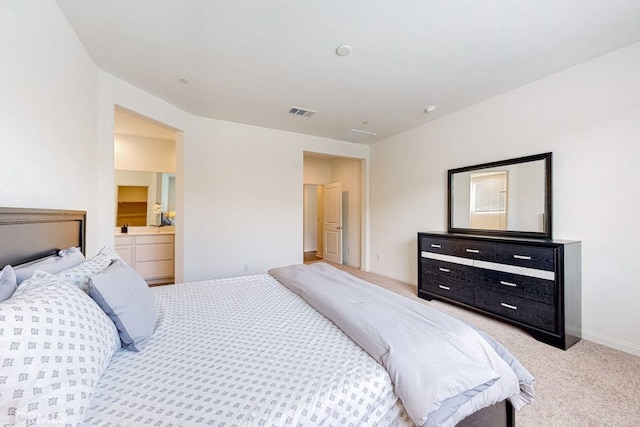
303, 112
355, 135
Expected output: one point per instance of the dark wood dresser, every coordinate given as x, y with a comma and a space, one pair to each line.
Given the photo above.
534, 284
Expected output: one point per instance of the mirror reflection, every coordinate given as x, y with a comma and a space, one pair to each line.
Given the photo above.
145, 198
509, 196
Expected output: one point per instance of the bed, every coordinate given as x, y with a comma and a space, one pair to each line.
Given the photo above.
238, 351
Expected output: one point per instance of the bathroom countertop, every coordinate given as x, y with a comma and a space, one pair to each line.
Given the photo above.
140, 231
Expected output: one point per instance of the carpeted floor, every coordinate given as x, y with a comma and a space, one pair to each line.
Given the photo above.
589, 385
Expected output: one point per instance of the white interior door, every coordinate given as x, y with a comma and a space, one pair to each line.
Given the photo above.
332, 238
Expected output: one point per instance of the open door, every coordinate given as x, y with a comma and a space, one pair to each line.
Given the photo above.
332, 236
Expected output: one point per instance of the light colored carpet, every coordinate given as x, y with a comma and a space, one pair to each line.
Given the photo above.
589, 385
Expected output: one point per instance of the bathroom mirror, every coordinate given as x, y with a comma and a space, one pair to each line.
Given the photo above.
144, 198
505, 198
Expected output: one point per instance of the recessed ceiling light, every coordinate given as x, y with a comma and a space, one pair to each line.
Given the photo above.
430, 108
184, 81
343, 50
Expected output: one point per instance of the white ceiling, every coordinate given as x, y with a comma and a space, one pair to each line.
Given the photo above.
249, 61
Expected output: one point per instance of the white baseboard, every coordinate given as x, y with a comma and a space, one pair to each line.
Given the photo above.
613, 343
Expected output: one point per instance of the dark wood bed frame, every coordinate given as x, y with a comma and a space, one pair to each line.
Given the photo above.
502, 414
29, 234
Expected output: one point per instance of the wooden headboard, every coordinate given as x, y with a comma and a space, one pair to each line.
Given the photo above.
28, 234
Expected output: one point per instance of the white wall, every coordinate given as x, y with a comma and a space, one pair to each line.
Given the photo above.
243, 196
317, 171
139, 153
311, 218
589, 117
47, 113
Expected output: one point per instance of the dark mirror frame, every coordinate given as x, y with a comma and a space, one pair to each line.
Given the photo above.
545, 234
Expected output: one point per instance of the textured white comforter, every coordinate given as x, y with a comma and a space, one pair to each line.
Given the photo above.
242, 352
442, 369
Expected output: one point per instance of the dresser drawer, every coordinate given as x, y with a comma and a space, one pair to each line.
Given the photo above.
437, 245
520, 309
151, 239
531, 288
446, 271
123, 240
527, 256
473, 249
126, 253
459, 291
157, 252
155, 269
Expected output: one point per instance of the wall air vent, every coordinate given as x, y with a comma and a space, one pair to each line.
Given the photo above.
303, 112
355, 135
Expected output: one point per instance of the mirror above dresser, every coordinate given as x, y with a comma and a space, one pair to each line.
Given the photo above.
504, 198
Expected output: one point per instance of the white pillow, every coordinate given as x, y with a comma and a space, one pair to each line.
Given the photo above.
81, 273
109, 252
66, 258
55, 343
8, 283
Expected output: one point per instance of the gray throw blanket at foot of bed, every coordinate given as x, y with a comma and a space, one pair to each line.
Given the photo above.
442, 369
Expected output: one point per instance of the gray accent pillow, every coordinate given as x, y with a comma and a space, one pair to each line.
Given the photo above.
65, 259
124, 295
8, 283
81, 273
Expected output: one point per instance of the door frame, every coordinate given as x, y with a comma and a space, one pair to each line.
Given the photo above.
364, 201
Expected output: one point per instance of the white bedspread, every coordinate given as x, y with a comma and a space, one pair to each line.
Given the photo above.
243, 351
443, 370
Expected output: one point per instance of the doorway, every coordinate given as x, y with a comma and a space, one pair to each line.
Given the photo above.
320, 170
145, 195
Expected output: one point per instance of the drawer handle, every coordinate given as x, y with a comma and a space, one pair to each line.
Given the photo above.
446, 288
513, 285
444, 270
522, 257
512, 307
473, 251
433, 245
